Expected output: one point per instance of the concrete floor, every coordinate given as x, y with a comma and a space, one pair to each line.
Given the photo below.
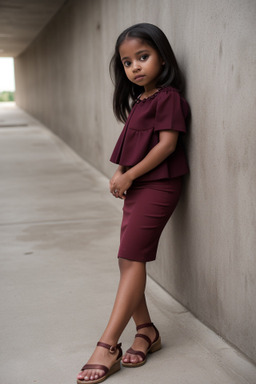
59, 238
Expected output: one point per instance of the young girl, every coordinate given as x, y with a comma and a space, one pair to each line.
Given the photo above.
147, 97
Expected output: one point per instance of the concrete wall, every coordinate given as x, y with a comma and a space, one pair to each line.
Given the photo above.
206, 258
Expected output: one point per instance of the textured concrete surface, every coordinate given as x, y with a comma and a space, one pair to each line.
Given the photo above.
207, 254
21, 21
59, 237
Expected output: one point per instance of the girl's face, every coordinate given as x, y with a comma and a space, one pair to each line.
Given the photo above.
142, 63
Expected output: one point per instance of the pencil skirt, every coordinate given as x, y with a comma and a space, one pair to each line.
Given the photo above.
147, 208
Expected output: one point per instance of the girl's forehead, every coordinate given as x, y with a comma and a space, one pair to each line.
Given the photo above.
132, 45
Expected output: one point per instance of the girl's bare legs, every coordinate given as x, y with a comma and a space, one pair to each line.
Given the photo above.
130, 295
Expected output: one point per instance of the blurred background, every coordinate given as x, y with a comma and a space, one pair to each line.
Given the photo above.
7, 81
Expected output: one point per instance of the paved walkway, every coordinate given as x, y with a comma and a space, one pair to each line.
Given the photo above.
59, 238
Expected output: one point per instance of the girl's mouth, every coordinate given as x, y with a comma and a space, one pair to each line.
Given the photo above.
139, 77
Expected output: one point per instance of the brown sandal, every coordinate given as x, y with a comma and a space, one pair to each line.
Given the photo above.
153, 346
108, 371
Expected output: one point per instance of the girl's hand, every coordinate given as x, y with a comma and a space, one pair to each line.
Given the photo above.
119, 184
118, 172
112, 180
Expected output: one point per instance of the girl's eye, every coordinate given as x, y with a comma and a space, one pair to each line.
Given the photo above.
144, 57
127, 63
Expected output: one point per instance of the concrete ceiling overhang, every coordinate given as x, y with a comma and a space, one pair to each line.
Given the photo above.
21, 21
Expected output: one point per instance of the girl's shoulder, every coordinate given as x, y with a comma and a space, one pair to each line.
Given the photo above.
170, 99
170, 94
169, 91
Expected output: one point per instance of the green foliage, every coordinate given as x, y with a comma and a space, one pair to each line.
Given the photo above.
6, 96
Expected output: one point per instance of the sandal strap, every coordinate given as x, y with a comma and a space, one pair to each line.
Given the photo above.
95, 366
112, 348
139, 353
146, 325
145, 337
157, 334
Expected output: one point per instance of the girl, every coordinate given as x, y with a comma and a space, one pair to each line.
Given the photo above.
147, 97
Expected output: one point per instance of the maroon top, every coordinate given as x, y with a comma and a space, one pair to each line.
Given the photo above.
165, 110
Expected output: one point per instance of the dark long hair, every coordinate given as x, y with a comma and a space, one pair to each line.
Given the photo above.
125, 91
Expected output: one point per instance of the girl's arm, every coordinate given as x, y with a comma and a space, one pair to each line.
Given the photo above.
165, 147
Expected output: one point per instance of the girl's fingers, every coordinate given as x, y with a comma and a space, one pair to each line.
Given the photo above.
122, 194
117, 191
114, 192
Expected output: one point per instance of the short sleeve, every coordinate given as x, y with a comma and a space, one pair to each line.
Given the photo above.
171, 112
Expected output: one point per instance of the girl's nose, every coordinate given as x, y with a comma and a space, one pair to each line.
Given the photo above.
135, 66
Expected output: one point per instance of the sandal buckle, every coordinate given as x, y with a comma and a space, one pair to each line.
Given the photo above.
112, 349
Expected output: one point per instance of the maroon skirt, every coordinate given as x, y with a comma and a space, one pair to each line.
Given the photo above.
147, 208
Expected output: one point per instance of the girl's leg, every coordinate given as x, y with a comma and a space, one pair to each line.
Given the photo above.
141, 314
130, 294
